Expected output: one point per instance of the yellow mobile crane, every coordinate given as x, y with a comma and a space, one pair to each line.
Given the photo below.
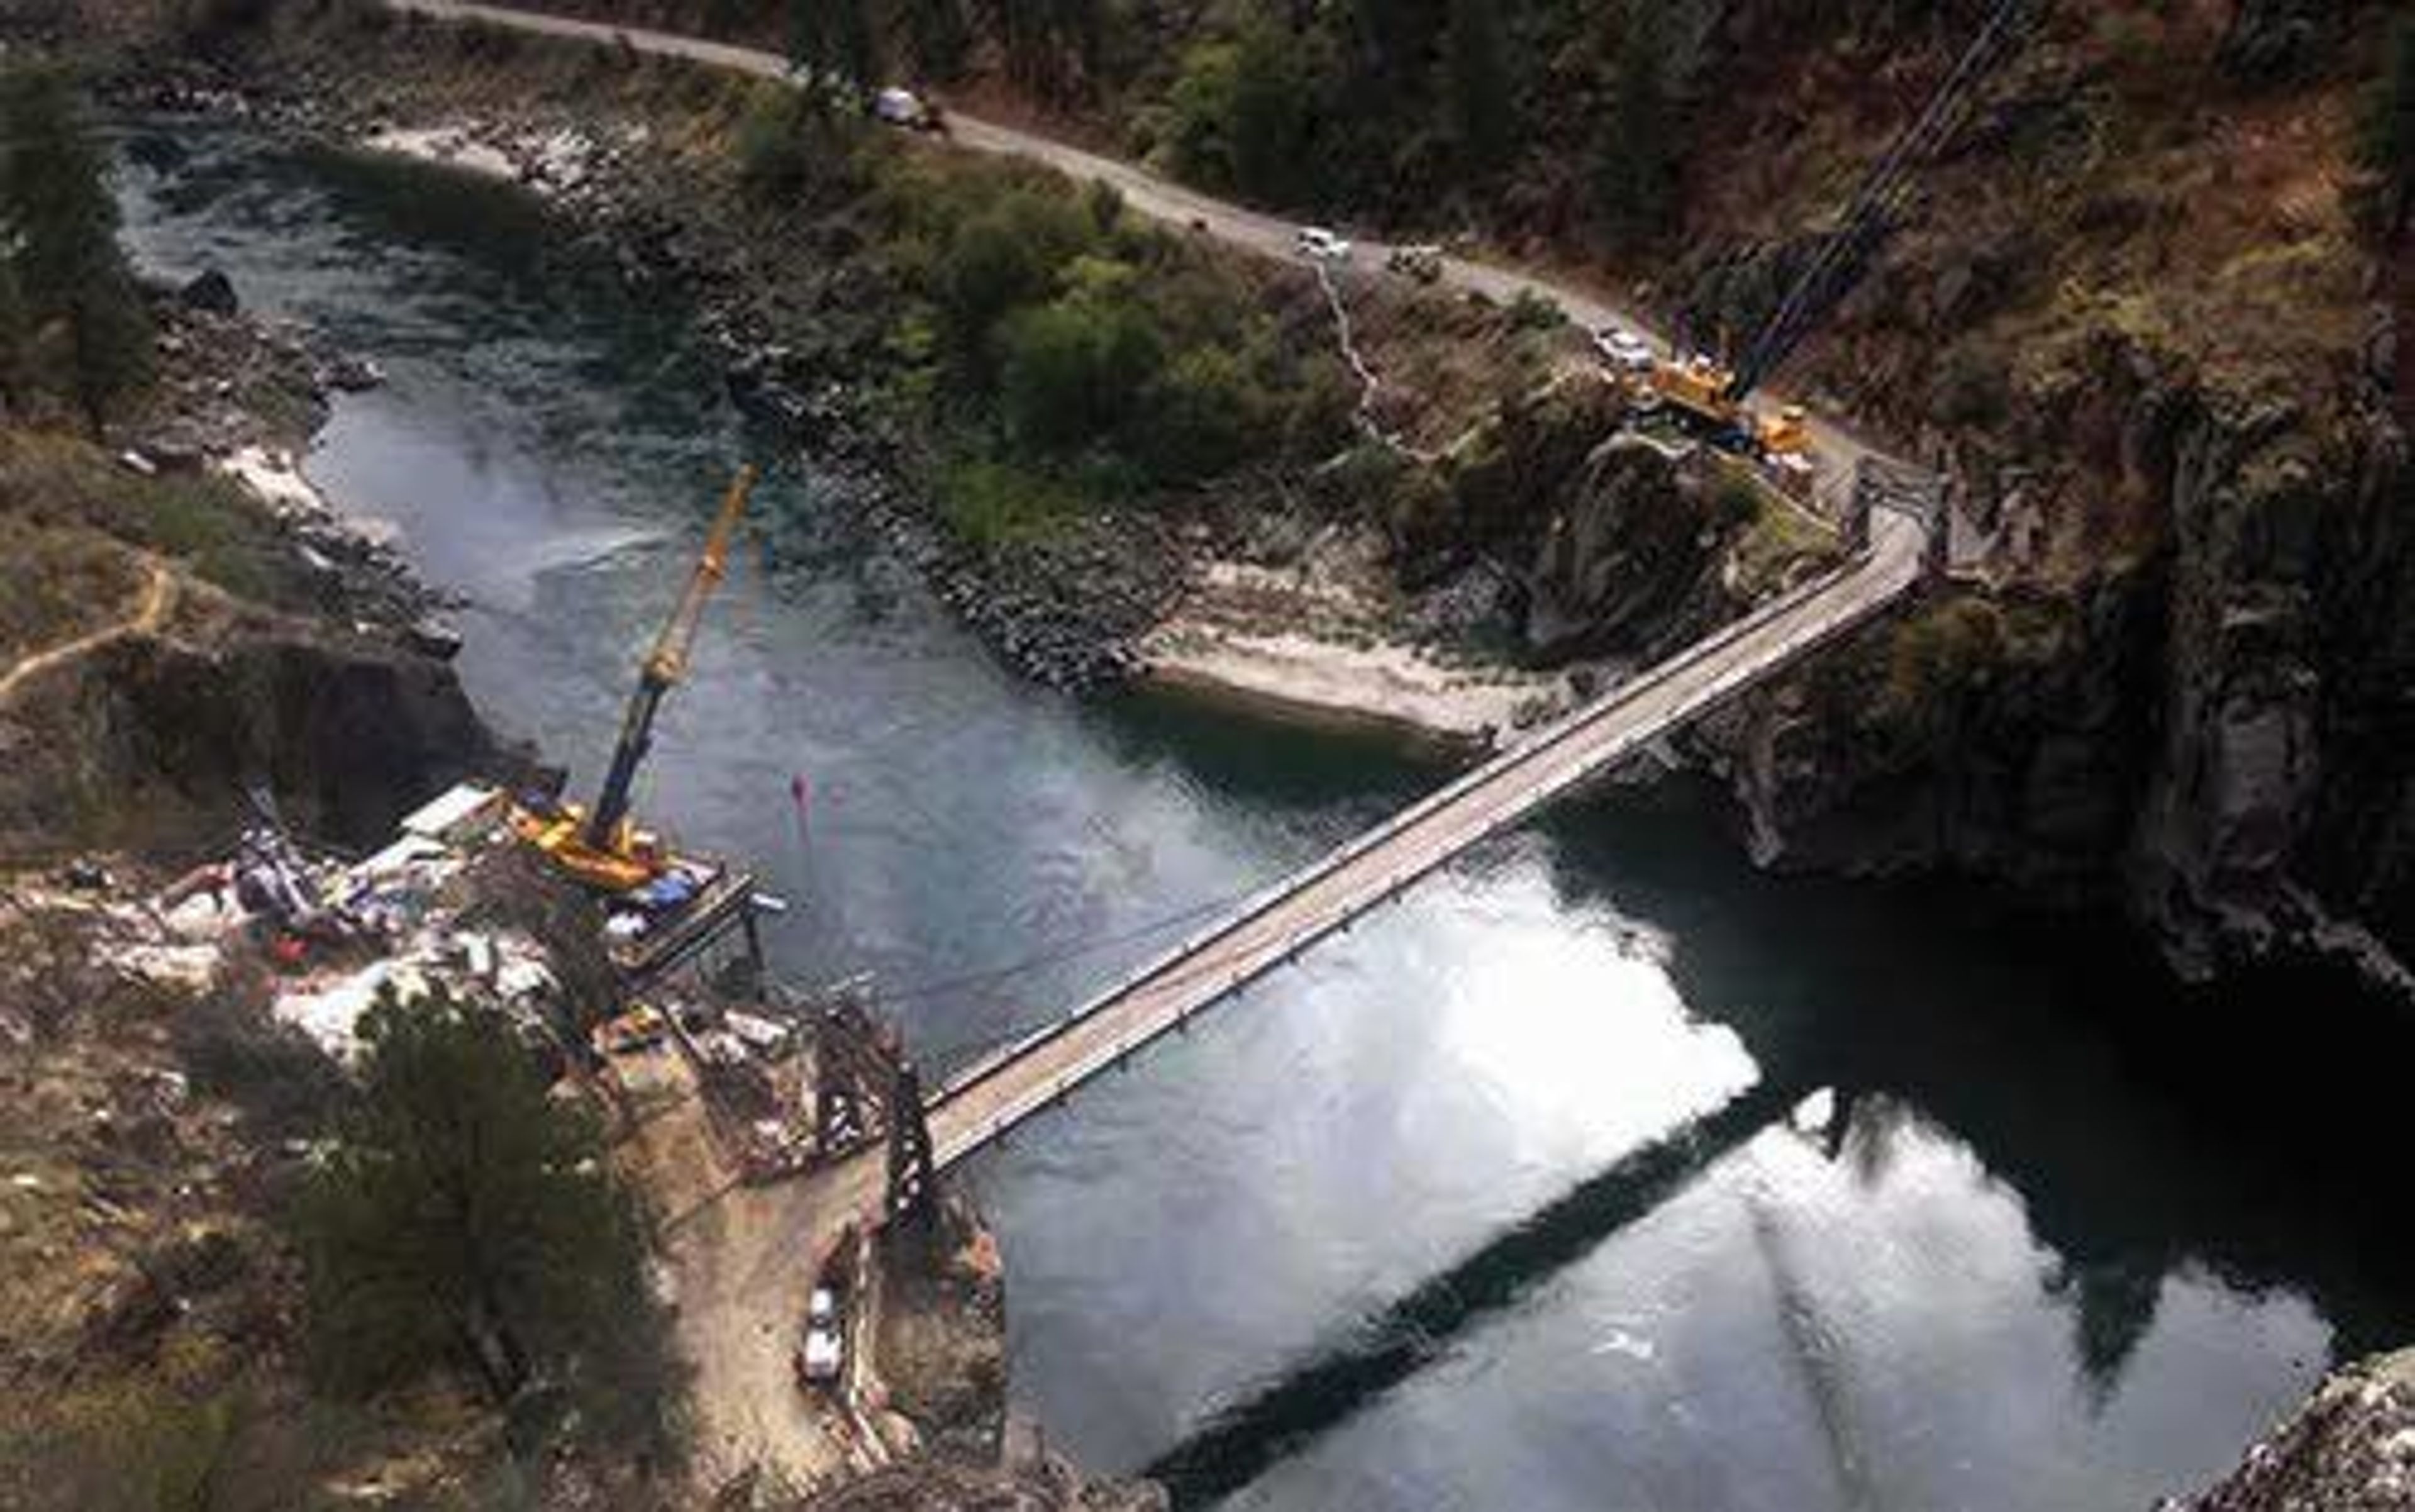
602, 848
1710, 397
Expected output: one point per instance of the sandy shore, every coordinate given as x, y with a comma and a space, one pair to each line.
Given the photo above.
453, 146
1312, 646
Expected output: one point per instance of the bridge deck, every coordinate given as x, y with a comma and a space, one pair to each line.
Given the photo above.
1027, 1076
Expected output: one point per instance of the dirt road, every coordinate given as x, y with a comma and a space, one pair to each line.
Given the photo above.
158, 596
1838, 448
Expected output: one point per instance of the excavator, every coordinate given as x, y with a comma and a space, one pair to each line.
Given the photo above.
1710, 397
601, 847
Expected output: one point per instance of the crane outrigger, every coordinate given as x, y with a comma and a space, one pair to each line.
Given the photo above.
601, 847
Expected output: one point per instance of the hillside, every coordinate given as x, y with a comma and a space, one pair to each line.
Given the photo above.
2139, 311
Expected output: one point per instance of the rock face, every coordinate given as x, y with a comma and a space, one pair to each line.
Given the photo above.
2211, 728
156, 741
212, 292
2350, 1448
1611, 540
1628, 547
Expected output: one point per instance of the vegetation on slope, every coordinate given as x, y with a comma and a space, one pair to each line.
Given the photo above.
72, 326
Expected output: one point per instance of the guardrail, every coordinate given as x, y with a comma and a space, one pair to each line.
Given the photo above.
1290, 886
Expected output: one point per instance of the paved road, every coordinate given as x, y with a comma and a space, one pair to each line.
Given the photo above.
1838, 448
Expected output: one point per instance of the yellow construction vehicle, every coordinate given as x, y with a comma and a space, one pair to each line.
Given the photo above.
603, 848
1699, 394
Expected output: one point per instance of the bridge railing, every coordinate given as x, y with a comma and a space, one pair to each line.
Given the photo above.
1290, 885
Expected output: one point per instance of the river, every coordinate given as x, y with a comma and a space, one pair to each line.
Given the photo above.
1602, 1171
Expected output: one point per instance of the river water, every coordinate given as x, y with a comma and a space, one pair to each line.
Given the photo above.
1602, 1171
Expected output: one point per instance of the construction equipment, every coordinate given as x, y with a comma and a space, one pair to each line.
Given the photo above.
601, 847
1711, 398
1699, 393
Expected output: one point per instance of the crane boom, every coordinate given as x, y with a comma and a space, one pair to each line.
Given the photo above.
1833, 271
664, 664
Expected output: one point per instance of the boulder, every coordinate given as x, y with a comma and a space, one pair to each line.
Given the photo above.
2350, 1448
211, 291
1625, 551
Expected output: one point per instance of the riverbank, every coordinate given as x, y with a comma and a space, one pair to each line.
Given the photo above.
1051, 821
1100, 595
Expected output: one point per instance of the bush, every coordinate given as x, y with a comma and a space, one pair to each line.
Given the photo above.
1004, 256
1201, 419
994, 504
1970, 387
1071, 371
1532, 311
1939, 661
285, 1084
774, 158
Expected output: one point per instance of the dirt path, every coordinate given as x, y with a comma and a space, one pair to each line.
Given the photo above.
1838, 447
158, 597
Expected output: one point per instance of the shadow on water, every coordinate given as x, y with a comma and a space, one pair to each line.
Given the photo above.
1387, 1348
2148, 1129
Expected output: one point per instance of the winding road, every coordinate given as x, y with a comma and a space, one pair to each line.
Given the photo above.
739, 1253
1836, 444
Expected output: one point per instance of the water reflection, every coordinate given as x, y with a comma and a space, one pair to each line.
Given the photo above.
1600, 1170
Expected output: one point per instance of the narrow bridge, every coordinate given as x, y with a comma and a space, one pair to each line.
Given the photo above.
1895, 519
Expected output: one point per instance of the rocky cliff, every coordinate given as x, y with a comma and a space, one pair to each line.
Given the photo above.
158, 740
2350, 1448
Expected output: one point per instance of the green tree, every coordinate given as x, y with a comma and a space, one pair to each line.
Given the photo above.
1001, 258
465, 1217
1271, 104
1071, 371
16, 337
1202, 418
57, 214
1637, 157
2388, 138
1398, 36
937, 36
834, 46
1480, 83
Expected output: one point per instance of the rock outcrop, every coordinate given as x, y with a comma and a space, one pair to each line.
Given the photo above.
1625, 554
155, 740
2350, 1448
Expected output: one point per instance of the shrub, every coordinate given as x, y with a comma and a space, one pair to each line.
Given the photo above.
774, 158
285, 1087
1072, 370
992, 503
1004, 256
1201, 417
1532, 311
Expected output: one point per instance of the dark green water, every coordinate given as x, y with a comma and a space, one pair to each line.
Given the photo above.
1516, 1195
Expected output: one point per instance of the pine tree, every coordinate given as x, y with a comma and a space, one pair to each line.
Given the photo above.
68, 268
937, 36
464, 1216
833, 43
1637, 157
1480, 83
2388, 144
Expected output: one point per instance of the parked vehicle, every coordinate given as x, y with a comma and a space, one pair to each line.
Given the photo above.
1623, 349
822, 1354
1322, 246
641, 1027
903, 107
1421, 260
